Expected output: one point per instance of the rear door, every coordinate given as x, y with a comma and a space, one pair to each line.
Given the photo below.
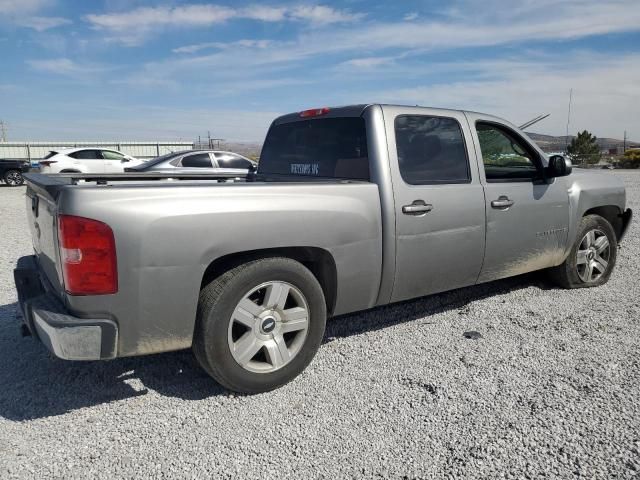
91, 161
197, 160
439, 201
527, 217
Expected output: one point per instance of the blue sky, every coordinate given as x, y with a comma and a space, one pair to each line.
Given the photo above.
139, 70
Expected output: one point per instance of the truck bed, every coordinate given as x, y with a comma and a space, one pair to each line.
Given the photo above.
169, 229
52, 184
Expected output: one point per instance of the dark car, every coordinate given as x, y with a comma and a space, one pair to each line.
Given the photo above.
197, 161
11, 171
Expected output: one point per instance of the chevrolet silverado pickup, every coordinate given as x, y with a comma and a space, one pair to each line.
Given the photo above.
350, 208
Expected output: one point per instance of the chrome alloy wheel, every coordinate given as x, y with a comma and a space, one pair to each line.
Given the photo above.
592, 257
13, 178
268, 327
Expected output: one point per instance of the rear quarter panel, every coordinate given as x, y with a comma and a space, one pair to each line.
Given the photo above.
166, 236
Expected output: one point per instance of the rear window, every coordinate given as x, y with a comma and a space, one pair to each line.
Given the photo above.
50, 154
327, 147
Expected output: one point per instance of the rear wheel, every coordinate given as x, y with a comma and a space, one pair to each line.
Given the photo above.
592, 257
259, 324
13, 178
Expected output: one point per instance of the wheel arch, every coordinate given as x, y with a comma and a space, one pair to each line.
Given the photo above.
612, 214
319, 261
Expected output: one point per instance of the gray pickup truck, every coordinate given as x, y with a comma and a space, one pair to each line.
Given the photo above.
350, 208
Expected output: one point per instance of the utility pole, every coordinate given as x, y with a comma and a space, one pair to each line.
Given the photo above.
209, 136
3, 132
568, 119
624, 142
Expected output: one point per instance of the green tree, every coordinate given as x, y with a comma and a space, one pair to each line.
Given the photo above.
630, 159
584, 149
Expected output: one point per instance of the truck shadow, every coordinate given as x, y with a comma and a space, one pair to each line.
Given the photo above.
34, 384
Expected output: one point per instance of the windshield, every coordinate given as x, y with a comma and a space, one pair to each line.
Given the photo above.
327, 147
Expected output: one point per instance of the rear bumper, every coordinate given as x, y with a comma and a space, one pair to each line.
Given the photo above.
626, 221
65, 335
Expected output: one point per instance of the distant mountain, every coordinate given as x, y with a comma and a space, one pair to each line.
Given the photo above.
248, 149
549, 143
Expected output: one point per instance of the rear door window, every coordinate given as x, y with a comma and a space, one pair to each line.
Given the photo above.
197, 160
431, 150
326, 147
86, 155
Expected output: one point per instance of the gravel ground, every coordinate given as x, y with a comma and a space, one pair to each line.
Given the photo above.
550, 390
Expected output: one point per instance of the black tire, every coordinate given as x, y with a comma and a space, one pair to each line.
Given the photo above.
13, 178
215, 308
567, 275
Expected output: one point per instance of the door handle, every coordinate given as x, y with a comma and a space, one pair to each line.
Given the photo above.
417, 208
502, 202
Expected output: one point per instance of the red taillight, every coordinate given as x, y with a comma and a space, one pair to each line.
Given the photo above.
46, 163
315, 112
88, 256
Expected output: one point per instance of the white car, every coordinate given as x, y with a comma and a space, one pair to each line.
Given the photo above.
86, 160
197, 161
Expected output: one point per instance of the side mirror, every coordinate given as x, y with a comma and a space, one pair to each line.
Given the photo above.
559, 166
126, 159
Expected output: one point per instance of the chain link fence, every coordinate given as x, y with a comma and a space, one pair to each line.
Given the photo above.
30, 151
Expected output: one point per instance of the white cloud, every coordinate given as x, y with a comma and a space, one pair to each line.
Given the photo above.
119, 123
43, 23
368, 62
133, 26
247, 43
16, 7
323, 15
65, 66
603, 90
147, 17
263, 13
477, 29
409, 17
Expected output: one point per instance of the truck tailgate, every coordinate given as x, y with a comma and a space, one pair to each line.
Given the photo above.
42, 219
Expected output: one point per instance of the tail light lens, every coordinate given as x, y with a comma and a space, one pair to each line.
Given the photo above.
46, 163
88, 256
315, 112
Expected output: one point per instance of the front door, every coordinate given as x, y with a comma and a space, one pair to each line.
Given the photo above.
439, 201
114, 162
527, 217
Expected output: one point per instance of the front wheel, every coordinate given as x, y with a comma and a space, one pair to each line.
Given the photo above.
259, 324
13, 178
592, 257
